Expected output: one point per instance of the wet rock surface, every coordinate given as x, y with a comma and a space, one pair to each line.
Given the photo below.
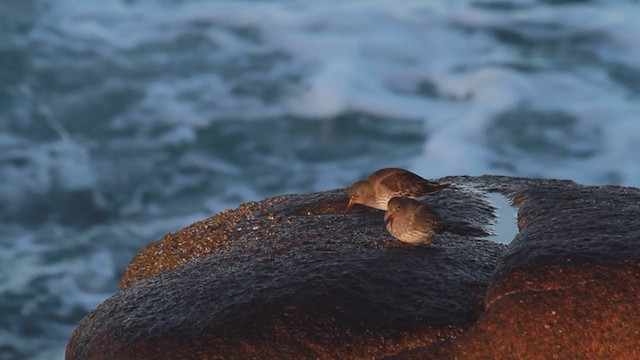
297, 277
568, 286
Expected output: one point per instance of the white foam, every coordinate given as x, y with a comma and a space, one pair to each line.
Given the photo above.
189, 64
58, 165
370, 56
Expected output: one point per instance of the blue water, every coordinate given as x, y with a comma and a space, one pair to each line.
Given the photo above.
123, 120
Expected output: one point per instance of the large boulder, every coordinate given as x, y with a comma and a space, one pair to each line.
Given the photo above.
298, 277
568, 287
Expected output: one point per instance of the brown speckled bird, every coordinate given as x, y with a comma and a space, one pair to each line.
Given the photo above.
385, 184
411, 221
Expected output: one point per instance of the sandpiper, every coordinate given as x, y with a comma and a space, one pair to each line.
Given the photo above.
385, 184
411, 221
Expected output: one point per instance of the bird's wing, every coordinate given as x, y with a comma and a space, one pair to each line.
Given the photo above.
427, 218
383, 173
408, 184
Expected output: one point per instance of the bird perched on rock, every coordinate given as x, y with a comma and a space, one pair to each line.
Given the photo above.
385, 184
411, 221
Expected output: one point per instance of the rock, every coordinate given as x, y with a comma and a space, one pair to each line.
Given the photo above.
297, 277
568, 286
233, 229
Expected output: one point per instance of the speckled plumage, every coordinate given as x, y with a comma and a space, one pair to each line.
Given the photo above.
412, 222
384, 184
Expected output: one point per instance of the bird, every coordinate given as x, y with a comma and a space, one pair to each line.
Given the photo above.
387, 183
411, 221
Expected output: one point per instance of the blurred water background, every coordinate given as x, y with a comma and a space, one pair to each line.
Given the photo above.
123, 120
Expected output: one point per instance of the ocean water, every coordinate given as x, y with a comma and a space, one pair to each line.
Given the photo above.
123, 120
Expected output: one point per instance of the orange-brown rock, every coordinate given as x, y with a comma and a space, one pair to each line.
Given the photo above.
568, 287
297, 277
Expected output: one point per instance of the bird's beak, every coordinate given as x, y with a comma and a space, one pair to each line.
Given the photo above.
349, 205
388, 218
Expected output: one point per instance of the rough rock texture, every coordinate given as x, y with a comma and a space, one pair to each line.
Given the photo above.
568, 286
297, 277
261, 226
